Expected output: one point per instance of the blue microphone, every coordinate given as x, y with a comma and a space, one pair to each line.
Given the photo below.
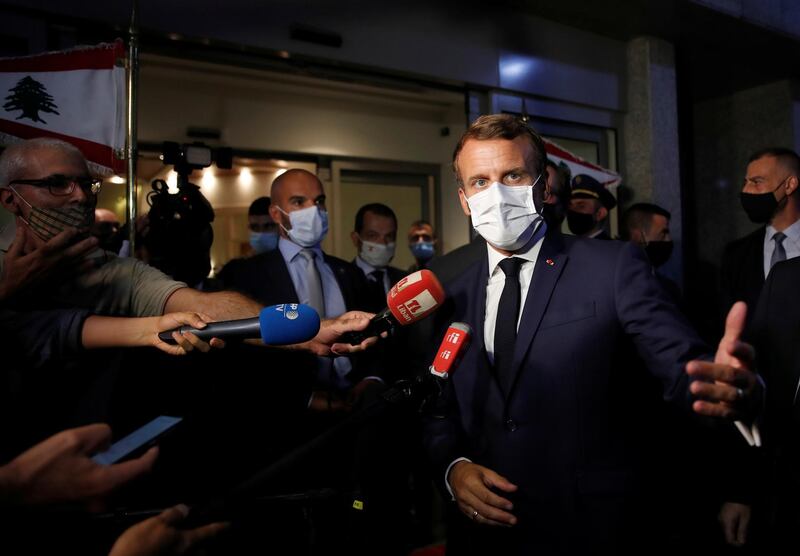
276, 325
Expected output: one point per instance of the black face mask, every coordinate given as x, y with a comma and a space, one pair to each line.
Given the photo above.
760, 207
579, 223
658, 252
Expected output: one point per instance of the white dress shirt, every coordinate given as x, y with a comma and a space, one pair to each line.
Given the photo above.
497, 280
791, 244
494, 289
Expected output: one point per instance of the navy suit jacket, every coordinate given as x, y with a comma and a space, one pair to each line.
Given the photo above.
266, 278
742, 271
560, 435
774, 332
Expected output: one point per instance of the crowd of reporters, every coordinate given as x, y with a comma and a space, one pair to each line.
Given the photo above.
80, 321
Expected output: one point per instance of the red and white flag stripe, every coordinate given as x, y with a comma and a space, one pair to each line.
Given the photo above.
577, 165
76, 95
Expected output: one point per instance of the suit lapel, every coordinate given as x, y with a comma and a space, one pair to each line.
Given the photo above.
549, 265
477, 313
278, 270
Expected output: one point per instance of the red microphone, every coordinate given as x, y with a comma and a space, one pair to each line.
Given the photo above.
411, 299
454, 344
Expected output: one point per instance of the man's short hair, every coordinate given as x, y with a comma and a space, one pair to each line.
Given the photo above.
639, 216
502, 126
259, 207
14, 160
375, 208
420, 223
785, 156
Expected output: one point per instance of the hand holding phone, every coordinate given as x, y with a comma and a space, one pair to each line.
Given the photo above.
137, 441
59, 469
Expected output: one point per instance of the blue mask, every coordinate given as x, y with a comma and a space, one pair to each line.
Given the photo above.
422, 250
261, 242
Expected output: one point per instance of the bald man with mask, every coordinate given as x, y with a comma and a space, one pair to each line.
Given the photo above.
298, 271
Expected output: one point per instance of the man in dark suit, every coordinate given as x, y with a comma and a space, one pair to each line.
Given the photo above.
298, 271
533, 444
765, 514
375, 237
775, 333
770, 198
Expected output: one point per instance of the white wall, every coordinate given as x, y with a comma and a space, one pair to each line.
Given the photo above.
277, 112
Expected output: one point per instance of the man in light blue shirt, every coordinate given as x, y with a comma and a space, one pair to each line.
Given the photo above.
769, 197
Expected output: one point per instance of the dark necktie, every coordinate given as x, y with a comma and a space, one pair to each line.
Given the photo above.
779, 254
505, 330
377, 277
377, 291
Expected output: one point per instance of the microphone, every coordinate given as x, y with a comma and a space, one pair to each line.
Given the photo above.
422, 391
277, 325
411, 299
454, 344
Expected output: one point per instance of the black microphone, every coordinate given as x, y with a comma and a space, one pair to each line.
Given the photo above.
276, 325
411, 299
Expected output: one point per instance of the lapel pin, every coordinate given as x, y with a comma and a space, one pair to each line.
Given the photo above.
550, 262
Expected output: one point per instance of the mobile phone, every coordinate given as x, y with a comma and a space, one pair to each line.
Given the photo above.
143, 437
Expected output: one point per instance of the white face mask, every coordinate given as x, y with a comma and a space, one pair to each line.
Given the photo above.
309, 225
376, 254
505, 215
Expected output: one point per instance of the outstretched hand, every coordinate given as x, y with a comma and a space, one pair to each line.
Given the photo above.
187, 341
325, 343
29, 261
727, 387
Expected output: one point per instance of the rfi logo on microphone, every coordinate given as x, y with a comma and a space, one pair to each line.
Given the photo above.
453, 338
446, 354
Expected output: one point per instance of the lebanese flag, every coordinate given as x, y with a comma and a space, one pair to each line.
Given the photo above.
577, 165
77, 95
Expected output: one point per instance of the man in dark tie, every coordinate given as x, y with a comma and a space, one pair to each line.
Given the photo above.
535, 445
769, 197
299, 271
375, 237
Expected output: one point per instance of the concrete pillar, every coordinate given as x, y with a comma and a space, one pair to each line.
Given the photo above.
650, 141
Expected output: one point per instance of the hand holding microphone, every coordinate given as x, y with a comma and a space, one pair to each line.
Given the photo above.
411, 299
287, 323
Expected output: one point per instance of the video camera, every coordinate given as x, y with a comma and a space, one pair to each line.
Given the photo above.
180, 235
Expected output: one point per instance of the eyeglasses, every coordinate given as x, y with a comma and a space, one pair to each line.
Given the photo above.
64, 185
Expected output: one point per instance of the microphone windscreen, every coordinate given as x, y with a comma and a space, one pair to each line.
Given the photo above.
288, 323
415, 297
455, 342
